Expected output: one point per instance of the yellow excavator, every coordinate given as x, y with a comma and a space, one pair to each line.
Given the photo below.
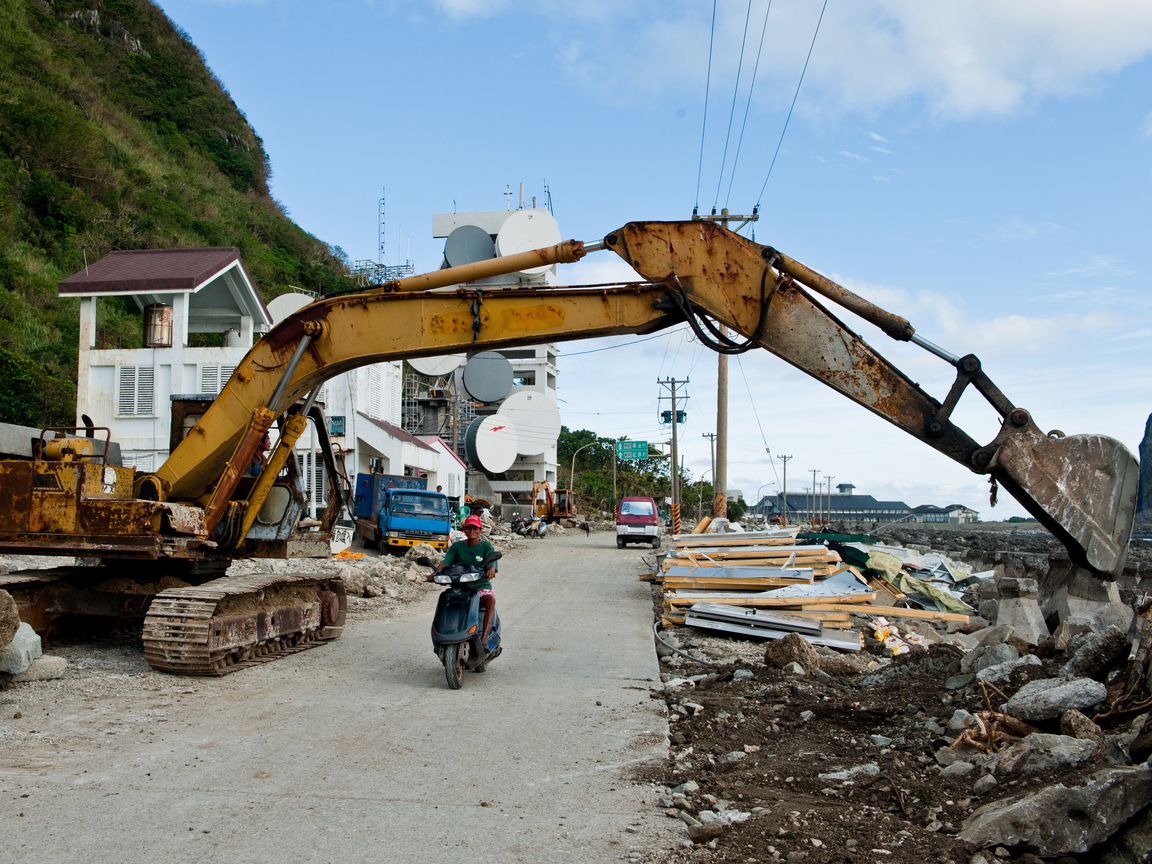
187, 520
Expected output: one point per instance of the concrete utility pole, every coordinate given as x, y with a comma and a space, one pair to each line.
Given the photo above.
720, 465
814, 498
828, 512
674, 468
784, 483
720, 459
711, 436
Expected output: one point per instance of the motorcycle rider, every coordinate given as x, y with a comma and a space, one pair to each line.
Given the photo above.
471, 552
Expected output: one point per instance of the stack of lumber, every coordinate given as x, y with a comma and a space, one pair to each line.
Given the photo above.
769, 574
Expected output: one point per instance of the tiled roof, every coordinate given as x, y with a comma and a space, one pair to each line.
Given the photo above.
150, 271
397, 432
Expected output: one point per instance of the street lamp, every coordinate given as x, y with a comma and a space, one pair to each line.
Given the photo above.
700, 493
572, 472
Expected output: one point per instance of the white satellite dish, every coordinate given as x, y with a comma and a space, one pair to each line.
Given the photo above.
537, 420
526, 230
437, 367
491, 443
287, 304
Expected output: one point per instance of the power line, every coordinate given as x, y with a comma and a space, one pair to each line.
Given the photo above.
794, 97
707, 85
614, 347
756, 414
751, 87
732, 111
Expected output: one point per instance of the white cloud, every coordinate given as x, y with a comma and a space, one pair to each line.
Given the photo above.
959, 59
1017, 228
1147, 128
881, 178
855, 156
876, 137
882, 150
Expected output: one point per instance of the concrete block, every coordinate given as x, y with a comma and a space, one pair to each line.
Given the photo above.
1025, 617
43, 668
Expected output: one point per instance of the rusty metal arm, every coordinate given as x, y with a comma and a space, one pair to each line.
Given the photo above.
1082, 488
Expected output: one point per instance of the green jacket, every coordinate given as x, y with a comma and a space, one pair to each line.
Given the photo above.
470, 556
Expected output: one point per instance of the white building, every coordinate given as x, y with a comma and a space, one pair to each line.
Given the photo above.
534, 368
188, 291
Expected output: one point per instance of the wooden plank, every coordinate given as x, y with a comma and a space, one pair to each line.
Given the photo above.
702, 526
847, 601
887, 611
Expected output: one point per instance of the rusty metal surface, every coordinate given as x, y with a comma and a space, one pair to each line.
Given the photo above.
1081, 487
185, 633
258, 424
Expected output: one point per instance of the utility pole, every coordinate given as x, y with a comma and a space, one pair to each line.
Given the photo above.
785, 459
828, 512
720, 465
720, 458
711, 436
674, 467
814, 497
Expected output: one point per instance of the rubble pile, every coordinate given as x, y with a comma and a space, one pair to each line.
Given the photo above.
1000, 739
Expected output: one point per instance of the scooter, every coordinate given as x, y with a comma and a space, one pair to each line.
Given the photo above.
458, 624
534, 527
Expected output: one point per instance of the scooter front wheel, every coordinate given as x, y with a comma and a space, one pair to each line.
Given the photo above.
454, 656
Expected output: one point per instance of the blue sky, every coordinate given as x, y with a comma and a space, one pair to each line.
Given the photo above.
983, 169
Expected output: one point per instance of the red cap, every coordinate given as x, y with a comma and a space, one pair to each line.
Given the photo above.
473, 520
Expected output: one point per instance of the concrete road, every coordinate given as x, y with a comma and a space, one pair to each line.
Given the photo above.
358, 751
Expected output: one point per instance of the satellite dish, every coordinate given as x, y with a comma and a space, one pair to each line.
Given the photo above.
468, 244
437, 367
287, 304
526, 230
537, 420
491, 442
488, 377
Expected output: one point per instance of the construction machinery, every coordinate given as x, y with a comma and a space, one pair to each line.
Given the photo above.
200, 510
552, 506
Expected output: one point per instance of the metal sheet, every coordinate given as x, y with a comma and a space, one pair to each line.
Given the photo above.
756, 618
800, 574
828, 640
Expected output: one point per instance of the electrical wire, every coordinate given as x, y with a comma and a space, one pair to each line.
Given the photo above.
794, 97
707, 86
732, 110
756, 414
748, 105
614, 347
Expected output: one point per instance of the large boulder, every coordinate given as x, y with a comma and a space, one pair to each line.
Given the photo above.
21, 651
1099, 652
1132, 844
1041, 752
1048, 698
1059, 820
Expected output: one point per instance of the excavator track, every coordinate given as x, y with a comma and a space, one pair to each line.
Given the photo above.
239, 621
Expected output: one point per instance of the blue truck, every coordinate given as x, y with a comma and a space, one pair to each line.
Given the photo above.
397, 512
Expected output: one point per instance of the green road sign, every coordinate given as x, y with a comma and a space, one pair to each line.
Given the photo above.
631, 449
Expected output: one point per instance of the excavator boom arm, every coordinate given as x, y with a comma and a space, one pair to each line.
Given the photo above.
1082, 487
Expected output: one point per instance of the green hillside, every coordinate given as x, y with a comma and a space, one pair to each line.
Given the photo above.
114, 134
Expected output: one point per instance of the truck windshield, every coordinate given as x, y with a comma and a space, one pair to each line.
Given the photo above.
636, 508
419, 505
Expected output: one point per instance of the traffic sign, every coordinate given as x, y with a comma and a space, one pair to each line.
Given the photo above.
631, 449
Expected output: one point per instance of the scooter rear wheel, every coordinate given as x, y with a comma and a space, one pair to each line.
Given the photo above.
454, 656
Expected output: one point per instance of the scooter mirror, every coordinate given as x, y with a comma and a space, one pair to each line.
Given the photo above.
492, 558
424, 561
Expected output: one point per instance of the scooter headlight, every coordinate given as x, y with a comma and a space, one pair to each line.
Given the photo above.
442, 579
470, 577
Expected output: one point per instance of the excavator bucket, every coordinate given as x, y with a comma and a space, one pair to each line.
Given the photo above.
1082, 488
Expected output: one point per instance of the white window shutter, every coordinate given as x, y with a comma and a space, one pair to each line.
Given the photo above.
209, 379
144, 390
374, 393
126, 404
225, 374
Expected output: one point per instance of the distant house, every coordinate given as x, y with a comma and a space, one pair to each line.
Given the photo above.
953, 513
841, 506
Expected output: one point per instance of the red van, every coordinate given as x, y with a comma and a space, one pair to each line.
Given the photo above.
637, 522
